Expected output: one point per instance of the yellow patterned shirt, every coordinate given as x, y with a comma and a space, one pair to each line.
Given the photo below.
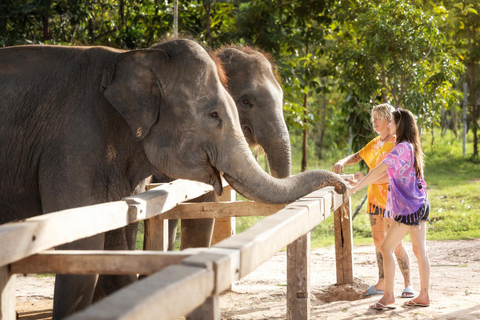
373, 154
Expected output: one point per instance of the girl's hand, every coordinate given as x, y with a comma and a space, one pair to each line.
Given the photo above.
358, 176
351, 182
337, 167
349, 192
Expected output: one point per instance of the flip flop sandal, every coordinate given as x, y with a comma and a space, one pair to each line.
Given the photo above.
414, 304
372, 291
408, 292
381, 306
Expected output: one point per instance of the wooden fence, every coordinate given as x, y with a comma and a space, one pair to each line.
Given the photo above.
184, 282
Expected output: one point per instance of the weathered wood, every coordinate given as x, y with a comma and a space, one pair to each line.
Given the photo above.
224, 227
164, 197
7, 294
271, 234
225, 263
222, 210
22, 239
168, 294
298, 279
343, 243
156, 234
209, 310
97, 262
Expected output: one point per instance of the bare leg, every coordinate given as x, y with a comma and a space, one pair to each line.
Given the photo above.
395, 234
379, 231
418, 235
403, 262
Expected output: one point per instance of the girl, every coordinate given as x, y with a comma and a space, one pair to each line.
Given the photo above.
407, 204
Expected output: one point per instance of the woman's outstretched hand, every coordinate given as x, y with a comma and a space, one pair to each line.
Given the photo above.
338, 167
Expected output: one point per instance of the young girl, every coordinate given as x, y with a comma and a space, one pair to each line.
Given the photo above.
407, 204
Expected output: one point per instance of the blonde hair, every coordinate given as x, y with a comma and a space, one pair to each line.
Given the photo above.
384, 110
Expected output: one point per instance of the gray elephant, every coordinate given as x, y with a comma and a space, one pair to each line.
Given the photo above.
252, 83
86, 125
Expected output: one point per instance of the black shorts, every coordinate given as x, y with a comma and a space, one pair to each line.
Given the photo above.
415, 218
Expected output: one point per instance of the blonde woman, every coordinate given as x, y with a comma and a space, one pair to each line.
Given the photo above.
373, 154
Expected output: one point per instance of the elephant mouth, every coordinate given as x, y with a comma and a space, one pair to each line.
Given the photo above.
215, 178
249, 134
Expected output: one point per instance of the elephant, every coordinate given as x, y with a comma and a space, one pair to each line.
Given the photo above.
86, 125
252, 82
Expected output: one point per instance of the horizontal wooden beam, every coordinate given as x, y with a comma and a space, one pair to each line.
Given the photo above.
97, 262
164, 197
168, 294
222, 209
22, 239
270, 235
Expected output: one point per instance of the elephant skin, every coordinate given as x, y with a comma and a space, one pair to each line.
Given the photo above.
86, 125
252, 83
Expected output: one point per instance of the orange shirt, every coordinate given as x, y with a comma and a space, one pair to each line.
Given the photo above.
373, 154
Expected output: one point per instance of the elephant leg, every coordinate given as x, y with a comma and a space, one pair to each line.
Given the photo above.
172, 233
119, 239
75, 292
198, 232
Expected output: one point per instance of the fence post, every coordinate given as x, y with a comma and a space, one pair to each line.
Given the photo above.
209, 310
344, 243
224, 227
298, 279
156, 234
7, 294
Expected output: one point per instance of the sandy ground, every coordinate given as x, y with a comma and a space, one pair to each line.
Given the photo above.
455, 288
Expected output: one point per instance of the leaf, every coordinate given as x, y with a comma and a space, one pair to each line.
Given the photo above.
471, 10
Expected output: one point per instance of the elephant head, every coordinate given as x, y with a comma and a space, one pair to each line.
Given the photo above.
174, 101
253, 85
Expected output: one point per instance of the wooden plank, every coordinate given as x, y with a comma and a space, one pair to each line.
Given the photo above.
222, 210
225, 263
97, 262
164, 197
209, 310
7, 294
298, 279
22, 239
343, 243
270, 235
224, 227
156, 234
168, 294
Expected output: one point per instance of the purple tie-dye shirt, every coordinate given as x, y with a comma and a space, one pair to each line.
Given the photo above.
407, 193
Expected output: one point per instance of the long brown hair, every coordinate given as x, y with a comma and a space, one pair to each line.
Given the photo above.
407, 130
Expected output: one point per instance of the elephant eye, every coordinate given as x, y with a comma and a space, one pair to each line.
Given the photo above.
246, 102
214, 115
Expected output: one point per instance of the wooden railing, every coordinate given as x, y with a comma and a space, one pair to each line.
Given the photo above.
184, 282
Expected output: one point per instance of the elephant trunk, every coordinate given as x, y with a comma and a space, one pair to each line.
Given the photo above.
244, 174
277, 149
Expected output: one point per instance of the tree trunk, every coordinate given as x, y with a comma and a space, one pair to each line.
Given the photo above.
208, 4
472, 38
305, 129
322, 125
46, 18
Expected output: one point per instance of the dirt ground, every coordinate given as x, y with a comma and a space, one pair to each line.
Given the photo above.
455, 288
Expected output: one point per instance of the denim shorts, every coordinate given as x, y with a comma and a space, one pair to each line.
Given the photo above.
415, 218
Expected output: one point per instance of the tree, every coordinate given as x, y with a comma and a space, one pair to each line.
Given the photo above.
394, 52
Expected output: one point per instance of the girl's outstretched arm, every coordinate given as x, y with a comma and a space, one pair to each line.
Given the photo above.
375, 175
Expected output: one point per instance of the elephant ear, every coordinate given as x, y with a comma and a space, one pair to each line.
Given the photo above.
133, 88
